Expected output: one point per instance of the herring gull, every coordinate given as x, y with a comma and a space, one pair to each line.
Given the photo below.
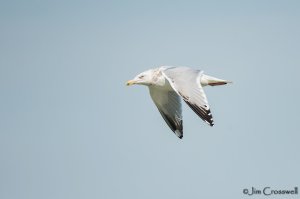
167, 85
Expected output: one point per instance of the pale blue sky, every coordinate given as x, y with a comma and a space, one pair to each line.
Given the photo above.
70, 128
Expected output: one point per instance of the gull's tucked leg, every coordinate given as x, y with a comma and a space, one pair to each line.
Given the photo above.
212, 81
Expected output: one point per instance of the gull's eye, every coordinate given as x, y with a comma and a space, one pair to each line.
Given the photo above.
141, 76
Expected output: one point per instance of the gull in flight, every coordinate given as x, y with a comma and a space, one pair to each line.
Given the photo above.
167, 85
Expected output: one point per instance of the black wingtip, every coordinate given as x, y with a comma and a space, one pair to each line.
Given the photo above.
179, 133
203, 113
210, 123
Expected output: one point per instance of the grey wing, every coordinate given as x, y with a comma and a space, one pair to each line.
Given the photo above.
168, 104
186, 82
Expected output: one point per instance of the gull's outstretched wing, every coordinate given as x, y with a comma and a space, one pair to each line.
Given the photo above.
186, 82
169, 106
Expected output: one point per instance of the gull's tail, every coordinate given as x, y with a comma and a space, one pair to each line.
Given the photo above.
213, 81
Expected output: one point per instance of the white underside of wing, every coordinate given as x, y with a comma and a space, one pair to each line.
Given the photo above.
169, 105
186, 82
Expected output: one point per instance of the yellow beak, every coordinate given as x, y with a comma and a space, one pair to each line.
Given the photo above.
130, 82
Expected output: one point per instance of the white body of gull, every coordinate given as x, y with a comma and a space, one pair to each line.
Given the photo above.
167, 85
